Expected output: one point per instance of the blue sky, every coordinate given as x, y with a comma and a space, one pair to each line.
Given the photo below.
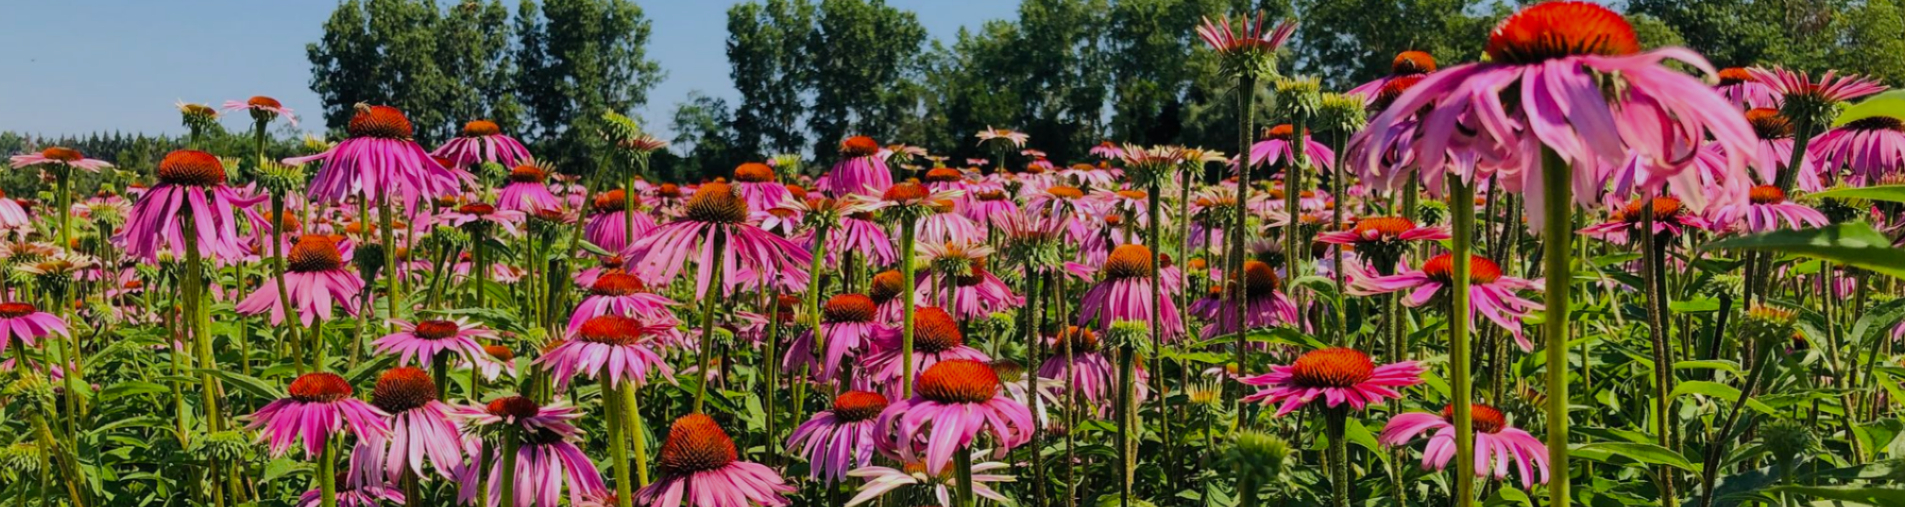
77, 66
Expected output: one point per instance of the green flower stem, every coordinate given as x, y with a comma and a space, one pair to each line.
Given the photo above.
390, 263
1155, 238
277, 274
1336, 421
1558, 234
1294, 250
506, 488
1652, 266
907, 279
618, 451
1462, 220
1128, 428
771, 388
1246, 99
962, 469
638, 436
200, 323
1034, 348
327, 475
708, 304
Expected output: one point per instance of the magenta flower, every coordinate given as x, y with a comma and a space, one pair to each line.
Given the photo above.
421, 428
379, 161
860, 171
1408, 65
1869, 149
936, 338
1339, 375
883, 480
1828, 89
59, 156
1496, 443
528, 190
757, 184
859, 235
1229, 41
608, 224
699, 464
1671, 218
1010, 137
26, 324
945, 226
619, 293
420, 343
1775, 133
1767, 210
749, 256
483, 141
953, 402
1491, 294
991, 206
1107, 150
1745, 91
848, 325
315, 279
546, 456
320, 407
1093, 376
1278, 143
609, 344
1265, 304
191, 187
1125, 293
355, 495
1554, 54
484, 218
836, 440
263, 108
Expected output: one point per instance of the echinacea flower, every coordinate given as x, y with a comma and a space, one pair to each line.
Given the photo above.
1491, 294
263, 109
191, 187
1497, 444
608, 222
1560, 57
936, 338
1251, 49
1745, 91
355, 495
699, 464
1671, 218
59, 156
841, 438
1868, 149
24, 323
848, 325
1009, 137
379, 161
757, 184
421, 428
716, 215
1265, 304
483, 218
860, 171
883, 480
614, 345
421, 342
1803, 98
1125, 293
1767, 210
1775, 133
1092, 375
618, 293
953, 402
1279, 143
546, 456
319, 408
1339, 375
527, 190
1381, 239
1408, 65
315, 278
482, 141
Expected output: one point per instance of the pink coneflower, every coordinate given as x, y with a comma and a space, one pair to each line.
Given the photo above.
1125, 293
608, 224
757, 184
1092, 374
482, 141
608, 344
848, 325
502, 360
14, 217
1229, 41
528, 190
350, 494
26, 324
420, 343
320, 407
1009, 137
545, 459
1671, 218
1277, 144
859, 235
1382, 239
965, 286
484, 217
883, 480
1408, 65
1556, 54
861, 170
715, 214
262, 109
1491, 294
1767, 210
191, 186
1265, 304
59, 156
1745, 91
619, 293
1829, 89
936, 338
836, 440
1775, 132
315, 277
420, 425
885, 289
945, 226
953, 402
1107, 150
379, 161
1869, 149
1495, 442
991, 206
699, 464
1339, 375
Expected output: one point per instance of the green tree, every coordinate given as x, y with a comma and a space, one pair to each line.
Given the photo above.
1349, 42
857, 55
473, 54
584, 57
344, 63
767, 54
703, 139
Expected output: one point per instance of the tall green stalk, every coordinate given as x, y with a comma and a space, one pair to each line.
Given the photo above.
327, 475
1335, 424
506, 487
637, 434
1294, 250
908, 227
1652, 264
1557, 236
1034, 348
201, 323
1246, 119
618, 450
708, 304
1462, 222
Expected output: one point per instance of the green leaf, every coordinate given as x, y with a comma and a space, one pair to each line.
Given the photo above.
249, 384
1708, 364
130, 388
1887, 193
1855, 494
1618, 452
1723, 392
1853, 244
